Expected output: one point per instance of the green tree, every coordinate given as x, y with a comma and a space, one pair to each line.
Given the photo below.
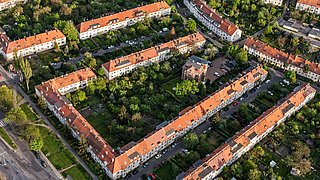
190, 140
68, 29
186, 87
81, 95
90, 88
291, 75
6, 98
242, 56
17, 116
36, 144
89, 60
191, 25
122, 115
100, 84
254, 174
26, 70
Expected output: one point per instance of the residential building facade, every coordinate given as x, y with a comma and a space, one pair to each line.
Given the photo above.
146, 57
311, 6
195, 69
30, 45
132, 155
274, 2
283, 60
123, 19
6, 4
213, 21
245, 139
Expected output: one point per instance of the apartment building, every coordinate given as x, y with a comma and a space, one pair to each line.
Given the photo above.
132, 155
311, 6
30, 45
195, 69
146, 57
213, 21
283, 60
6, 4
245, 139
274, 2
123, 19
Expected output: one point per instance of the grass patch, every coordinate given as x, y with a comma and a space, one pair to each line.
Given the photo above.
7, 138
30, 114
171, 84
76, 172
168, 171
58, 155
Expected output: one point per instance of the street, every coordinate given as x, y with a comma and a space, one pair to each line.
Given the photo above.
22, 165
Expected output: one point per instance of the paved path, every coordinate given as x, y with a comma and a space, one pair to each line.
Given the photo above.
13, 83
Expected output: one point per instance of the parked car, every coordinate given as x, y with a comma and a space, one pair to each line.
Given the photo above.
267, 81
135, 171
158, 156
145, 165
235, 103
153, 176
269, 92
36, 153
217, 74
43, 163
174, 145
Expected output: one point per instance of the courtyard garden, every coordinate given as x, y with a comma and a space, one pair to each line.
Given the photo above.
249, 16
294, 144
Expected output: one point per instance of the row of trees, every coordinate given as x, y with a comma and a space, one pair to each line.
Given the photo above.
17, 118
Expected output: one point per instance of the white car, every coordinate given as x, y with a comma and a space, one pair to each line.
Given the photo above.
158, 156
217, 74
267, 81
269, 92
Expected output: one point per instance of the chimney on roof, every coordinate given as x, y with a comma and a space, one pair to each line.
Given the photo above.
201, 6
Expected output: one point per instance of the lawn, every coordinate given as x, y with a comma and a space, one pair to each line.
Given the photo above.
168, 170
172, 84
7, 138
77, 173
53, 148
30, 114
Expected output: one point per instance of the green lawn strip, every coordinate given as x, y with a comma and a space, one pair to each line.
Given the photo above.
171, 84
77, 173
167, 172
58, 155
7, 138
30, 114
62, 160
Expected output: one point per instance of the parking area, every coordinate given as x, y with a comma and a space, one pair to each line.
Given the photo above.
219, 67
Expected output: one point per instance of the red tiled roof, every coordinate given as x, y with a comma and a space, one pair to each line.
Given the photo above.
225, 25
30, 41
224, 153
150, 52
315, 3
282, 56
77, 122
122, 16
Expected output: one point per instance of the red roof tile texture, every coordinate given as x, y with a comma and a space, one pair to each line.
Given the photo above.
150, 53
315, 3
225, 25
259, 126
282, 56
30, 41
122, 16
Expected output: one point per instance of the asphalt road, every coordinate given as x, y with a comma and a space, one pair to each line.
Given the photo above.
22, 165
